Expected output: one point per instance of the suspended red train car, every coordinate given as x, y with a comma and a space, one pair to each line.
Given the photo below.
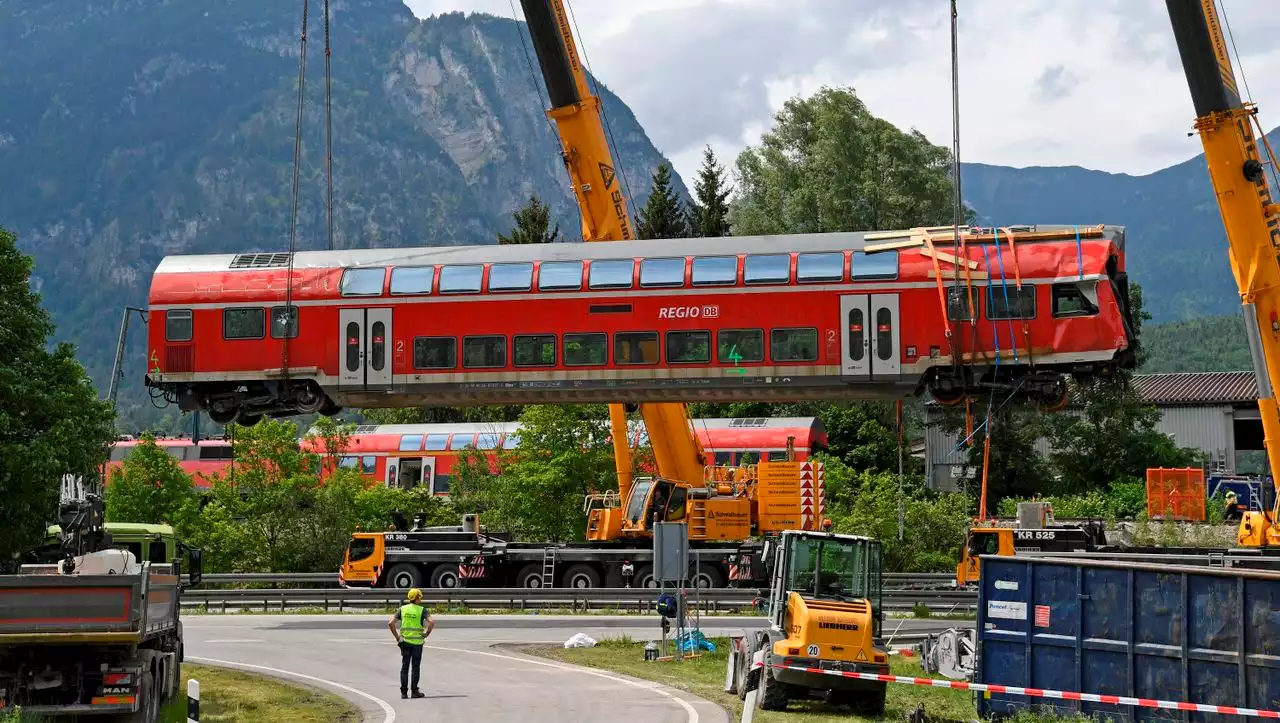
766, 318
413, 455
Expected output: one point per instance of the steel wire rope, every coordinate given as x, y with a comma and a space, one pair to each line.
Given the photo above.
293, 220
328, 120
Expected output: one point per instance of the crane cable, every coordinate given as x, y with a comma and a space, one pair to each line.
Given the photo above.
293, 220
328, 121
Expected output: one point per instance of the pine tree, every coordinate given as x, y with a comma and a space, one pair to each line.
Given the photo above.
709, 212
532, 221
663, 215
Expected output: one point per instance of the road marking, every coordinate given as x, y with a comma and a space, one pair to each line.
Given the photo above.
389, 713
648, 685
234, 640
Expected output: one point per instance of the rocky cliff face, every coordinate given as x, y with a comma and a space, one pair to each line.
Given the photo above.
132, 129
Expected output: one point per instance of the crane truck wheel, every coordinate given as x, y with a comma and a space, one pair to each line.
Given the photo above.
404, 576
446, 575
530, 577
644, 578
706, 576
581, 577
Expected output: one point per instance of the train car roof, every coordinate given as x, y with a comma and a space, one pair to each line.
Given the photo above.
567, 251
509, 427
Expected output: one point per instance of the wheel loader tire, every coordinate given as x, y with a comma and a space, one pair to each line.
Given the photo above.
772, 695
871, 704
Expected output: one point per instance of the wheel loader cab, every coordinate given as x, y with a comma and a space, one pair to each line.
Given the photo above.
825, 612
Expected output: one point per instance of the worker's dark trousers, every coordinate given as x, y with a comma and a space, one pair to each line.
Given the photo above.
410, 654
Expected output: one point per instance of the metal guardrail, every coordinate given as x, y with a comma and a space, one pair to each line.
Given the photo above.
903, 580
630, 599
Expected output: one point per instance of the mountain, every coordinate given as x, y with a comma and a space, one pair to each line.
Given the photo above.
133, 129
1175, 244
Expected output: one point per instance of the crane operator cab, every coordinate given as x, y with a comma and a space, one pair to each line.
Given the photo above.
824, 613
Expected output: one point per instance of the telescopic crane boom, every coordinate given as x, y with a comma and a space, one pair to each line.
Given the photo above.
576, 112
1250, 216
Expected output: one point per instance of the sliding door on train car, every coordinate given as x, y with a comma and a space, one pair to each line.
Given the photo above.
365, 356
872, 343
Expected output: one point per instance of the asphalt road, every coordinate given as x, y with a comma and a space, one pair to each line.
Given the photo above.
464, 676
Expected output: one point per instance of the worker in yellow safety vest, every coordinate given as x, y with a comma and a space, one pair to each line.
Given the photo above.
410, 637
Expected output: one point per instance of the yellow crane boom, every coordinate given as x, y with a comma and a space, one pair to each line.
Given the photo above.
585, 150
1251, 218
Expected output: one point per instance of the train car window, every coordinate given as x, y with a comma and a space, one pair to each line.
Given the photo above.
244, 323
436, 442
378, 346
767, 269
435, 352
884, 333
878, 265
1070, 300
511, 441
461, 279
635, 347
284, 322
960, 303
734, 346
407, 280
368, 464
535, 350
585, 349
782, 456
511, 277
658, 273
715, 270
812, 268
348, 462
724, 459
560, 276
410, 442
462, 440
353, 346
1010, 302
688, 347
223, 451
487, 441
793, 345
177, 325
362, 282
612, 274
484, 352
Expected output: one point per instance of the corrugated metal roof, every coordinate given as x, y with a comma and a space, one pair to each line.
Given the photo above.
1197, 387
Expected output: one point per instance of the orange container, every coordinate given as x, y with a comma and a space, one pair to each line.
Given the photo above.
1176, 494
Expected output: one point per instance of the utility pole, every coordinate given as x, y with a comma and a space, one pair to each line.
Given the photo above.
116, 370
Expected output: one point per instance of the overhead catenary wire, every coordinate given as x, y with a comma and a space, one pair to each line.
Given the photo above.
293, 220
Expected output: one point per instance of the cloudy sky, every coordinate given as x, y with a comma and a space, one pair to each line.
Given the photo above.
1095, 83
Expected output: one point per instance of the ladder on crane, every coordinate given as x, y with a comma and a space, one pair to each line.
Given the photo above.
548, 567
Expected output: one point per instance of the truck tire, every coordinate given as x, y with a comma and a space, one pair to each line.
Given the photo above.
404, 576
148, 707
530, 577
581, 577
644, 578
706, 576
446, 575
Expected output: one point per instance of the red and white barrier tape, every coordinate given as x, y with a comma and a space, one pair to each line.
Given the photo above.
1042, 693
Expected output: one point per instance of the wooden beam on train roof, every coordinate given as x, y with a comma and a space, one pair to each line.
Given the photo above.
916, 237
959, 275
946, 257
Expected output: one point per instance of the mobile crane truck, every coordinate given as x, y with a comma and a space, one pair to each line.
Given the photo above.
825, 613
97, 633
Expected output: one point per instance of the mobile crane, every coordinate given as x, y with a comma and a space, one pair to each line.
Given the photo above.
605, 217
1251, 218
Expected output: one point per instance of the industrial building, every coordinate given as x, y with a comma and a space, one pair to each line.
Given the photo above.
1214, 412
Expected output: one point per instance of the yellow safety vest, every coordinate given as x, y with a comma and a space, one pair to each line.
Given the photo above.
411, 628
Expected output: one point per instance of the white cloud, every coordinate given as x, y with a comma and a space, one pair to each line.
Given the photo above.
1094, 83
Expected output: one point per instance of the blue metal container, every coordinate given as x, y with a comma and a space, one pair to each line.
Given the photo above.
1149, 630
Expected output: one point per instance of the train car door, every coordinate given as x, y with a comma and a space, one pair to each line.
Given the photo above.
871, 343
365, 356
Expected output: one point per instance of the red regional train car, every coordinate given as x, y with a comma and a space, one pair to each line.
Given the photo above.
201, 459
410, 455
768, 318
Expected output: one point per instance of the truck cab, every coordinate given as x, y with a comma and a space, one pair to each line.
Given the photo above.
157, 544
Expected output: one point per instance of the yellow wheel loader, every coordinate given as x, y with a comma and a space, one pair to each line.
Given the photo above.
824, 615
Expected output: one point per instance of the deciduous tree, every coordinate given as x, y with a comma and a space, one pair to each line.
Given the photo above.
149, 487
828, 164
51, 422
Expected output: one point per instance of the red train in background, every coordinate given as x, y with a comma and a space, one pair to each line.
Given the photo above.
424, 454
413, 455
770, 318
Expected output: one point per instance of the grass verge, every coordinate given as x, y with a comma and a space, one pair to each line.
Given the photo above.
704, 677
234, 696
